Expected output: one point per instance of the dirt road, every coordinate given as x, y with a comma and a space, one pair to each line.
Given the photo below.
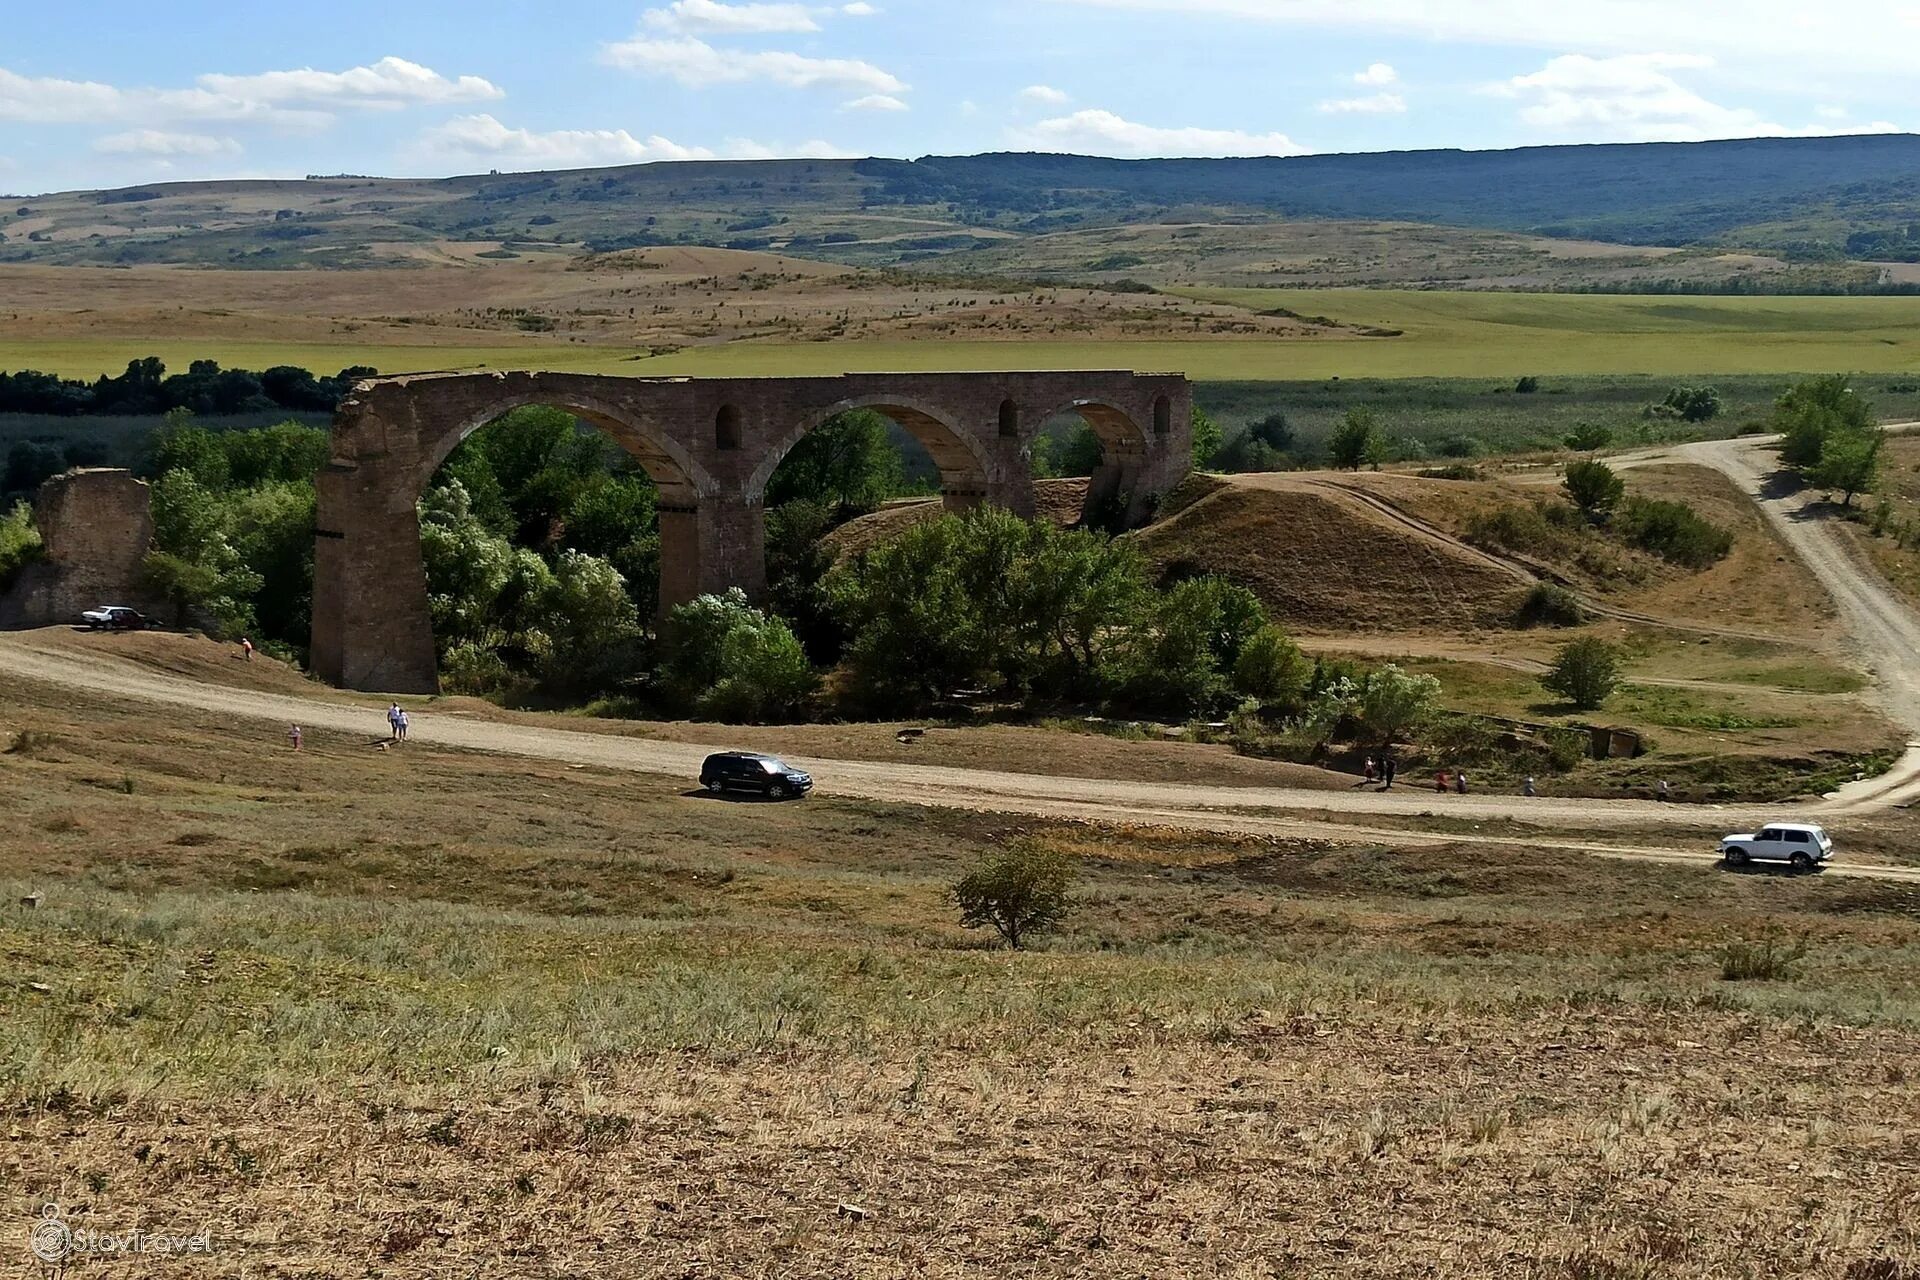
1651, 832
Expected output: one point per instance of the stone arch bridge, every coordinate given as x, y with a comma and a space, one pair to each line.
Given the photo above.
711, 446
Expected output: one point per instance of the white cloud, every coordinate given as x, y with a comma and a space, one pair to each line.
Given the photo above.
1844, 36
1827, 111
1104, 133
388, 83
746, 149
287, 99
1045, 95
1634, 96
859, 9
1639, 97
158, 142
697, 64
483, 138
876, 102
1377, 76
707, 17
1374, 104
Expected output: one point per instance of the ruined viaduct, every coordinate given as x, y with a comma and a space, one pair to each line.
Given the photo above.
711, 446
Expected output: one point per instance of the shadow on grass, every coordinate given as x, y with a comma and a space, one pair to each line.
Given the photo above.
738, 797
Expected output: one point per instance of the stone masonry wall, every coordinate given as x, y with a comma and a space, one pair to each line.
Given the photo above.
97, 528
711, 446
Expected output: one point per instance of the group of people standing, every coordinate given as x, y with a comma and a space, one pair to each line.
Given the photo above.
397, 721
1386, 768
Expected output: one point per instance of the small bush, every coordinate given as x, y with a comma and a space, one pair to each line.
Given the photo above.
1674, 532
1452, 471
1566, 748
474, 669
1767, 960
1020, 891
1594, 487
1589, 437
1550, 605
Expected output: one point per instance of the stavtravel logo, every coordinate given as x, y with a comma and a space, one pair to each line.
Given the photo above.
52, 1240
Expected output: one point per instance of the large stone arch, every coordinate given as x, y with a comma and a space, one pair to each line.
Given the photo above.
1118, 492
963, 460
712, 446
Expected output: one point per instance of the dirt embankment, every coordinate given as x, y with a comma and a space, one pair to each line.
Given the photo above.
1323, 559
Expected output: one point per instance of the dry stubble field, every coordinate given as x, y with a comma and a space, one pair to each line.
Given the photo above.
425, 1013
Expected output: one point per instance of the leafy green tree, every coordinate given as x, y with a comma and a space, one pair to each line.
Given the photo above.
1589, 437
19, 542
284, 453
765, 676
1694, 404
1594, 487
1357, 442
1813, 409
1272, 670
467, 567
1391, 701
591, 624
1206, 437
1019, 892
271, 529
848, 463
1586, 673
1180, 662
181, 444
1273, 431
1849, 462
1078, 453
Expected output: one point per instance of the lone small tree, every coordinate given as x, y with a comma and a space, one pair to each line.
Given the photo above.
1586, 674
1357, 441
1594, 488
1021, 890
1849, 462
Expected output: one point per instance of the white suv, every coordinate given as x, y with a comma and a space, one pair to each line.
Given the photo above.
1798, 844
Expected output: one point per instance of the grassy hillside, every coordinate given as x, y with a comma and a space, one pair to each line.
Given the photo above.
1811, 199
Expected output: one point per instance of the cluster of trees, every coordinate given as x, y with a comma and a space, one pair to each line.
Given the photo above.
205, 389
1830, 435
1688, 404
233, 524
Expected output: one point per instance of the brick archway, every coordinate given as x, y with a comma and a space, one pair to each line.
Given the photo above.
711, 445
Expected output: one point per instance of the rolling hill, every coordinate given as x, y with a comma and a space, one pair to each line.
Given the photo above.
1802, 200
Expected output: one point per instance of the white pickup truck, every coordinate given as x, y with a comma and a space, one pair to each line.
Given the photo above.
1800, 845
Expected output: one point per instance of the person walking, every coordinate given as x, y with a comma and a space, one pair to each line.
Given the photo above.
1527, 787
246, 649
403, 725
1388, 767
1665, 792
1370, 770
393, 720
293, 736
1440, 781
1460, 781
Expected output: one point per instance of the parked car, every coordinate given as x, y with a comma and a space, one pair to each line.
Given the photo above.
751, 771
1800, 845
115, 617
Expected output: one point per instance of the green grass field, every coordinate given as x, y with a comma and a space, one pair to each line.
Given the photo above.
1459, 335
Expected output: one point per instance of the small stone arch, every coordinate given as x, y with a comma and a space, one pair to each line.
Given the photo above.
726, 427
961, 458
1009, 420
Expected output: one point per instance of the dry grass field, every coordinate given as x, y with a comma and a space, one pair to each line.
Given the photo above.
421, 1012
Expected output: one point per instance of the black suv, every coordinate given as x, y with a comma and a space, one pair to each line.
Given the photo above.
750, 771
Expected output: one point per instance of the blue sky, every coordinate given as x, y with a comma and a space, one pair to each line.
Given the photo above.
130, 93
